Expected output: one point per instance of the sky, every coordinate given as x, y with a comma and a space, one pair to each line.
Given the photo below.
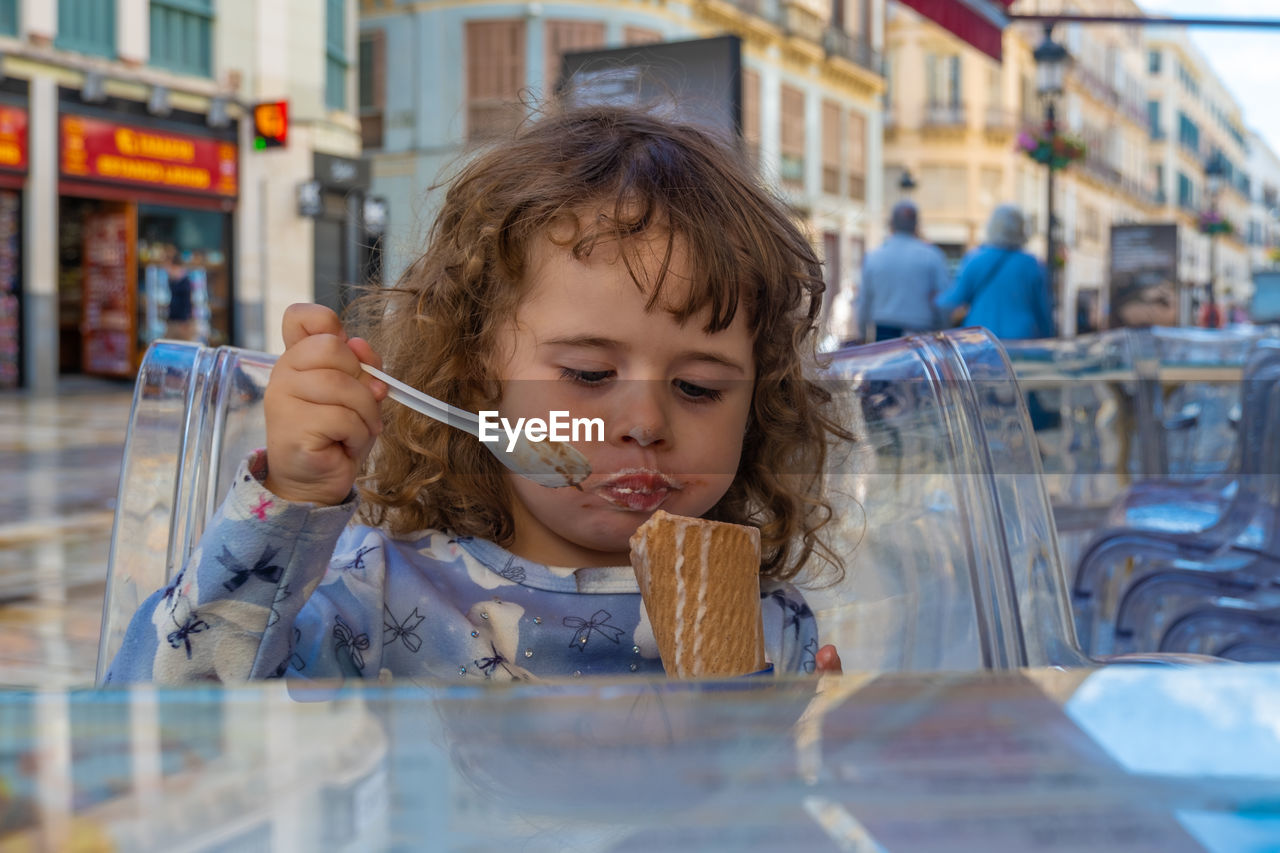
1246, 60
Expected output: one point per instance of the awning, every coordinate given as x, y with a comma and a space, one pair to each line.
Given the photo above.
978, 22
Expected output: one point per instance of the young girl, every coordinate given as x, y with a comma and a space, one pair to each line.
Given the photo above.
604, 262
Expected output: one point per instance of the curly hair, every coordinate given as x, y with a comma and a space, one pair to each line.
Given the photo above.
602, 173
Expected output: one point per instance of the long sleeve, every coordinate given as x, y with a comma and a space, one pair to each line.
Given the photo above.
791, 630
230, 613
961, 291
280, 589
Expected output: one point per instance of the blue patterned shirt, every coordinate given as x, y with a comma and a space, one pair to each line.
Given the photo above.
277, 588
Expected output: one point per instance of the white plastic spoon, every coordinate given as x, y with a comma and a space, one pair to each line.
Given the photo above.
547, 463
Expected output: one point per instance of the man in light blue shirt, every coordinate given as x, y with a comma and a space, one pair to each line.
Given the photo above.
900, 281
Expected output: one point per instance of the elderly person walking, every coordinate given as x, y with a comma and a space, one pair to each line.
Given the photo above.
900, 281
1004, 287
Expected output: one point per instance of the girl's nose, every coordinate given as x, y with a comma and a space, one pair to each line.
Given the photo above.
640, 417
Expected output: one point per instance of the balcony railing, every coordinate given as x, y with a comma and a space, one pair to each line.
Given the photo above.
767, 9
945, 115
798, 21
1099, 88
856, 49
1102, 169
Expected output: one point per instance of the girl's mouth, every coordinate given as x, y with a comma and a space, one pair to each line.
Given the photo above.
637, 489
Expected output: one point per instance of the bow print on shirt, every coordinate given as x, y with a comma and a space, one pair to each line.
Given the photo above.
793, 611
599, 621
354, 644
405, 631
262, 569
192, 624
489, 664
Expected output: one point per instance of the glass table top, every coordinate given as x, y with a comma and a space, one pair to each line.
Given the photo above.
1121, 758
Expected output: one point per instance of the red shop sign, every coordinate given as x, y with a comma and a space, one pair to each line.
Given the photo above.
103, 150
13, 138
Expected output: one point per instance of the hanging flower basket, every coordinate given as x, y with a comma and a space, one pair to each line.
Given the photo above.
1056, 151
1213, 222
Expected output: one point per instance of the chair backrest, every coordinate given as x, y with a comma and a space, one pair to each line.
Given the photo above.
943, 521
197, 411
1210, 447
949, 545
1094, 407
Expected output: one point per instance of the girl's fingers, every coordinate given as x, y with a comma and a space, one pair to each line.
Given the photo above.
827, 661
303, 319
338, 389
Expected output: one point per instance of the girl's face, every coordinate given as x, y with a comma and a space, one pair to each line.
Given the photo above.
674, 400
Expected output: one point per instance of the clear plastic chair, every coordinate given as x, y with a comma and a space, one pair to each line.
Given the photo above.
1153, 604
1247, 531
1093, 405
197, 412
942, 520
951, 558
1197, 411
1243, 630
1199, 371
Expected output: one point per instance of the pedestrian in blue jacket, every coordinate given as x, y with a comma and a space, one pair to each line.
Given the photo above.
1005, 288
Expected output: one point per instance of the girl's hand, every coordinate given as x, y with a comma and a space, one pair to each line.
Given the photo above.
322, 410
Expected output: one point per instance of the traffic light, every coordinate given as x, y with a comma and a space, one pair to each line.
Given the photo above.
270, 125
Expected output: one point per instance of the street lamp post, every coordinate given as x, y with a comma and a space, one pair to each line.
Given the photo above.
1214, 172
1051, 67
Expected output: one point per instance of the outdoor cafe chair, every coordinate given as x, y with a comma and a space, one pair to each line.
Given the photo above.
942, 522
1246, 533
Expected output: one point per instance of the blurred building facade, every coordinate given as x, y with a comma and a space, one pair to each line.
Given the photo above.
1192, 119
436, 78
953, 116
1263, 232
133, 203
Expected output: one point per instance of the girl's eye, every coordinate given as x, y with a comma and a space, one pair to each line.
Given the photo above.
585, 377
697, 392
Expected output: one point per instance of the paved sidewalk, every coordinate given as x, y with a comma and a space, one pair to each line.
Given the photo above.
59, 468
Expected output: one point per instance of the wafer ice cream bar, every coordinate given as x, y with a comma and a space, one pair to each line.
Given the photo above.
700, 581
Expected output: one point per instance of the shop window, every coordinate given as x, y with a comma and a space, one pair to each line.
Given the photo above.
373, 86
87, 26
567, 37
182, 36
335, 54
9, 17
184, 280
495, 76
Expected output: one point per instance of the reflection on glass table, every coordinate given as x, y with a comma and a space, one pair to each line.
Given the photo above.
1151, 760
